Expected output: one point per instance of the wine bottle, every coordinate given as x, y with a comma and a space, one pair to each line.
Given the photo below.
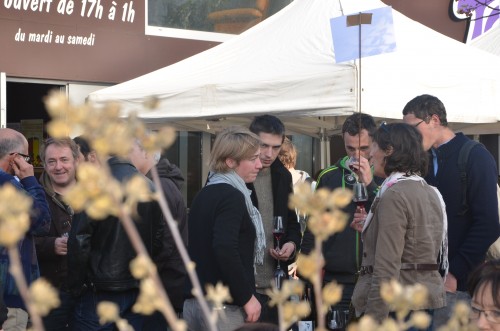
307, 323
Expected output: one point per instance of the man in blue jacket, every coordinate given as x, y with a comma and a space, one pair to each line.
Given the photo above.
470, 233
14, 161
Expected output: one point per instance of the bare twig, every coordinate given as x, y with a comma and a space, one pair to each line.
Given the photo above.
317, 286
172, 224
139, 247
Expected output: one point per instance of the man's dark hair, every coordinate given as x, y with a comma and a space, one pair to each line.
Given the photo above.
268, 124
83, 145
486, 273
424, 106
408, 155
357, 122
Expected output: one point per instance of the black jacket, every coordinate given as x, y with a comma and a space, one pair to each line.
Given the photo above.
221, 241
99, 252
54, 267
281, 180
341, 251
168, 261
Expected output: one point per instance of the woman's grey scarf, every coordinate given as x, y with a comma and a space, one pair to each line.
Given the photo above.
237, 182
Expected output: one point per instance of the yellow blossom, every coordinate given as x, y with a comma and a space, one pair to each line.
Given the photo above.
332, 293
148, 300
56, 104
137, 189
151, 102
141, 266
310, 265
58, 128
340, 198
367, 323
14, 215
180, 325
277, 297
165, 137
108, 312
418, 296
101, 207
44, 296
388, 325
122, 325
218, 294
391, 291
421, 320
293, 311
293, 287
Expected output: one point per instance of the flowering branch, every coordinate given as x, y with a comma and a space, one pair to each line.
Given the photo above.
172, 224
16, 271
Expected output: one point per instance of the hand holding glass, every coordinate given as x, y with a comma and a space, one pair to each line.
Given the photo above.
360, 195
350, 164
278, 232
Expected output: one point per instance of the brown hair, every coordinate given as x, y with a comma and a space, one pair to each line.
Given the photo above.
61, 142
288, 154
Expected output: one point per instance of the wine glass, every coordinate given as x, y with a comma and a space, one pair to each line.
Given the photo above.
337, 319
360, 195
350, 164
278, 232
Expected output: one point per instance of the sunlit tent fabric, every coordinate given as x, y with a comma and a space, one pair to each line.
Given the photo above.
286, 66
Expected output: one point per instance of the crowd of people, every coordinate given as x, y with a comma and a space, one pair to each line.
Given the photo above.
415, 226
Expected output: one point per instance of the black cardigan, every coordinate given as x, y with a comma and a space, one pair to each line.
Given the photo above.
282, 187
221, 241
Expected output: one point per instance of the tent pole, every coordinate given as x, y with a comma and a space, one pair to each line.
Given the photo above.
324, 149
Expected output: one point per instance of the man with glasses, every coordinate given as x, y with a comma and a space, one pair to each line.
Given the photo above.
471, 231
60, 160
15, 169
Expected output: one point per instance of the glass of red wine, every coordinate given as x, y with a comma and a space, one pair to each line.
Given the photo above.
350, 164
278, 232
360, 195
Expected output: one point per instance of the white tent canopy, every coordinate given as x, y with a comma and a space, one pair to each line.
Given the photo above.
286, 66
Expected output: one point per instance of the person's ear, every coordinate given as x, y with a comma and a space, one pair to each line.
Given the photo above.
434, 118
92, 157
231, 163
389, 151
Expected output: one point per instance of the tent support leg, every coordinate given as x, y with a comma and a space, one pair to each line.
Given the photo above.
325, 149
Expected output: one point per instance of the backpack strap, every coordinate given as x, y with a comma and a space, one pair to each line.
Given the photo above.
463, 157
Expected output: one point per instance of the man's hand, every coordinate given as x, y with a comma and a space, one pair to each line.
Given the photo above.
284, 253
450, 283
252, 309
363, 170
21, 168
359, 219
61, 246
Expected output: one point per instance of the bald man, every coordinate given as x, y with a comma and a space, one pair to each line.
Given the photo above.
16, 170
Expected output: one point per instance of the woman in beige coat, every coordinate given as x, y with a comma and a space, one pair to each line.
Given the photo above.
405, 231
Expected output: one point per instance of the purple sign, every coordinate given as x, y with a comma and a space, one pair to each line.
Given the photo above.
484, 15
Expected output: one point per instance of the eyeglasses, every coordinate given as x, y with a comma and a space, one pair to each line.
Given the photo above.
384, 127
426, 120
26, 158
492, 316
